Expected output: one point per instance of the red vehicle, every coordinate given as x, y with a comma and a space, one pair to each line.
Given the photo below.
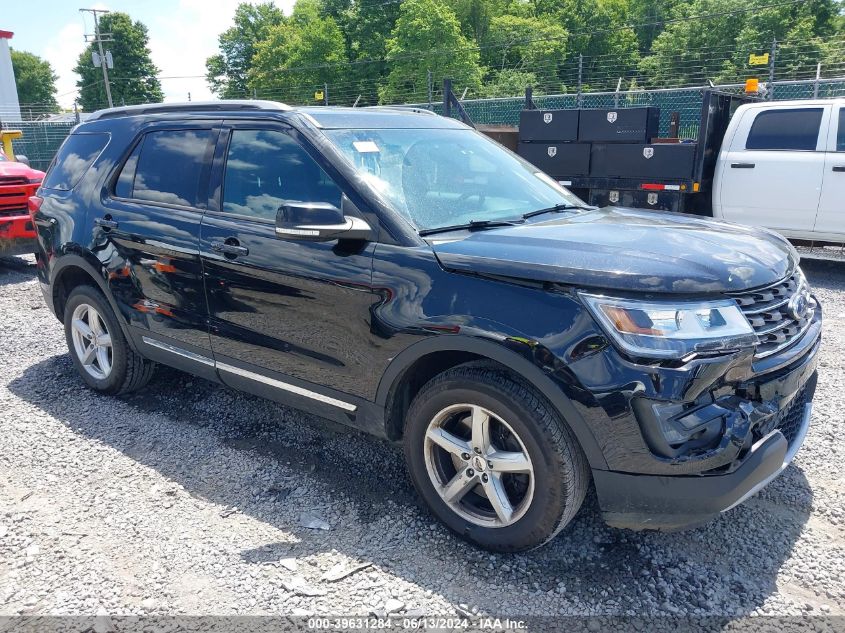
17, 183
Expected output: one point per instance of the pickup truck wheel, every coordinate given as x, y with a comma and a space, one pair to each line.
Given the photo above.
98, 348
492, 459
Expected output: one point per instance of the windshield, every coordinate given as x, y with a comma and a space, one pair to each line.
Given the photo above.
2, 157
439, 178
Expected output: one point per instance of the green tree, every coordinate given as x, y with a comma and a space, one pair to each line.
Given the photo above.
475, 15
36, 82
227, 71
803, 32
650, 16
686, 54
427, 37
299, 56
369, 26
597, 32
526, 44
134, 78
511, 83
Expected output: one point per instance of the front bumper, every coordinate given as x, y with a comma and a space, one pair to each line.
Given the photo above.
643, 500
671, 503
17, 235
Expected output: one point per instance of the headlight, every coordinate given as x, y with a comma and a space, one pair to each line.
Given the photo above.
34, 181
672, 329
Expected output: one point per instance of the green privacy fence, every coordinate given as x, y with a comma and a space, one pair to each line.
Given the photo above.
685, 101
40, 140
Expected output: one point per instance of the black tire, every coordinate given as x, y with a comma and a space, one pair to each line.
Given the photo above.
129, 371
560, 470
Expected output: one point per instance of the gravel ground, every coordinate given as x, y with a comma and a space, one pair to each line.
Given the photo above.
189, 498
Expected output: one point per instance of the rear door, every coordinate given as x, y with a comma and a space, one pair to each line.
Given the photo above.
286, 316
830, 223
147, 235
771, 175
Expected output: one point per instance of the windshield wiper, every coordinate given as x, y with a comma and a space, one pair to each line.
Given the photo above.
557, 209
471, 226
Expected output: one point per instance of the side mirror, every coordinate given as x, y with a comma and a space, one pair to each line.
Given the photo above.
319, 222
20, 158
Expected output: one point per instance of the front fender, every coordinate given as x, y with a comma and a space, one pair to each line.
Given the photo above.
510, 352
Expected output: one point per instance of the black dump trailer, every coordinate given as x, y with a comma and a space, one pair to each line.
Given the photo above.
616, 156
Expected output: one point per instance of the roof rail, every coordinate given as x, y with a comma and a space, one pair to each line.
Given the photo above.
404, 108
232, 105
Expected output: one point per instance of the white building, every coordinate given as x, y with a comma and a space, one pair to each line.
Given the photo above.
10, 109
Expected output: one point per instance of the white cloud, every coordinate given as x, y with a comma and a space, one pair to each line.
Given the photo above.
62, 53
180, 41
181, 52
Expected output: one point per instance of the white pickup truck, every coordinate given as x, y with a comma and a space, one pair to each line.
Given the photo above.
774, 164
782, 166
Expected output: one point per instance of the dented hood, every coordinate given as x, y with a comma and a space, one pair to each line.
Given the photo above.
625, 250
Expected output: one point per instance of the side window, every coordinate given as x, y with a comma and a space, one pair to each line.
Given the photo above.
74, 158
165, 167
840, 131
264, 169
796, 129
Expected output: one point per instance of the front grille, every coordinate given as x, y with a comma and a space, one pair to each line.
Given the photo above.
778, 319
788, 420
12, 180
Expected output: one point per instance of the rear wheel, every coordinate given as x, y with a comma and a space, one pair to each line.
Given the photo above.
492, 459
97, 346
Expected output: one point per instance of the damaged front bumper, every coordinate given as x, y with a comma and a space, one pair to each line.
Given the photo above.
762, 422
674, 502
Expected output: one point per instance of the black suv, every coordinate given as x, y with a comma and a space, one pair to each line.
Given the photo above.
398, 272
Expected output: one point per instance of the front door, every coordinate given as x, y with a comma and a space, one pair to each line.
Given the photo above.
830, 223
284, 313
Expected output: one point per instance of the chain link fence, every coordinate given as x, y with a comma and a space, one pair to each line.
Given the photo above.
685, 101
41, 139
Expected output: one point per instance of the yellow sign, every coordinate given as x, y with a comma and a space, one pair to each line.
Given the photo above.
318, 96
758, 60
752, 85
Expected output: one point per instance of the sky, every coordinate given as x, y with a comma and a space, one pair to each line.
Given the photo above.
183, 33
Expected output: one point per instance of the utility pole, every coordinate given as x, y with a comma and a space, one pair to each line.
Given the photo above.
98, 38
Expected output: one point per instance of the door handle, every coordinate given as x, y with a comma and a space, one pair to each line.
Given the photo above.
742, 165
106, 222
229, 249
839, 168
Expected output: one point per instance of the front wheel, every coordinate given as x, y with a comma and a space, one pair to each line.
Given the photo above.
492, 459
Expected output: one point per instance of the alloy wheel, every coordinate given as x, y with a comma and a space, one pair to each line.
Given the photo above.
479, 466
92, 341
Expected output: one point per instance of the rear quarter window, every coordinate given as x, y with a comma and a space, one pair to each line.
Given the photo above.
785, 129
74, 158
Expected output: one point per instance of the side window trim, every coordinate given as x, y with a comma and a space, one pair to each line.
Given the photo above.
140, 136
838, 135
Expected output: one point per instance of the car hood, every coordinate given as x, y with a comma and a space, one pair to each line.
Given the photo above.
625, 249
11, 168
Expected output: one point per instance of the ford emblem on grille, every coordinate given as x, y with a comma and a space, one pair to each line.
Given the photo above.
799, 303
